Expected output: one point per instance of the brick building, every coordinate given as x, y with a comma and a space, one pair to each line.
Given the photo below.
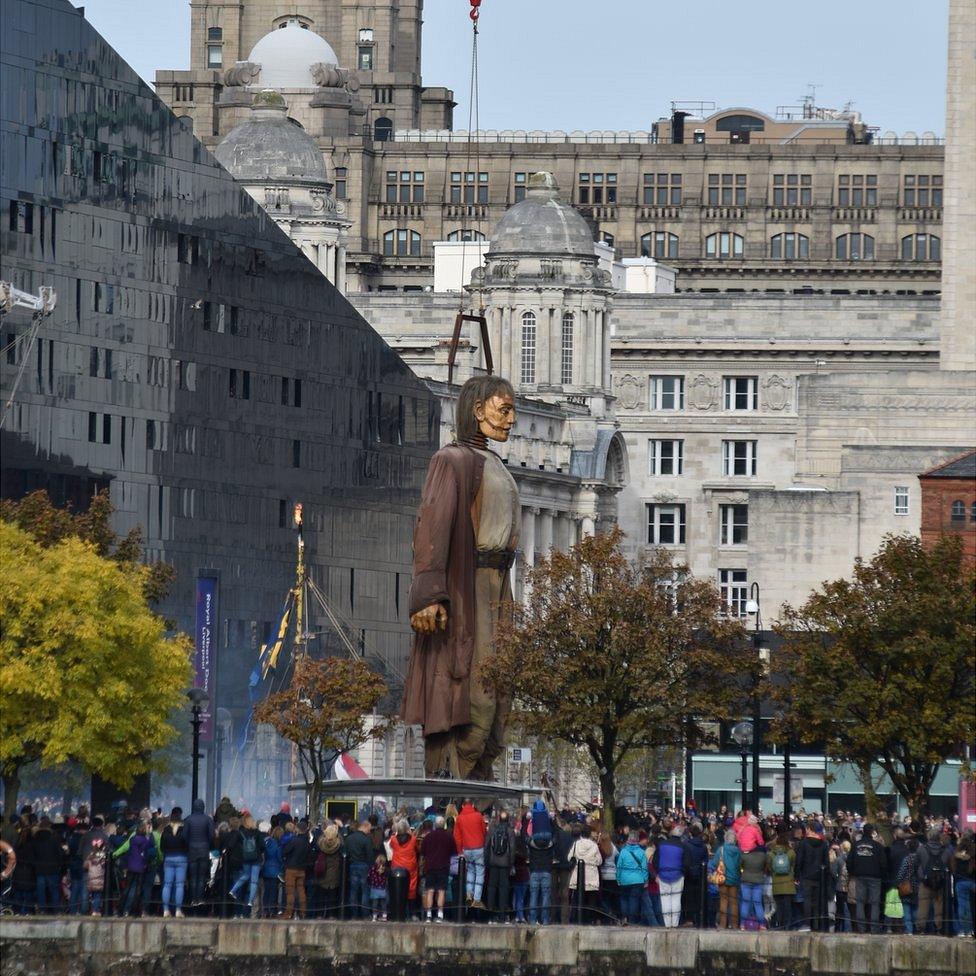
949, 501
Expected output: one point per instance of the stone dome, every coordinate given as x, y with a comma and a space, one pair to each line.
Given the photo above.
287, 54
542, 224
268, 147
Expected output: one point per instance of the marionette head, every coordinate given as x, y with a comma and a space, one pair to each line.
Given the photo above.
485, 409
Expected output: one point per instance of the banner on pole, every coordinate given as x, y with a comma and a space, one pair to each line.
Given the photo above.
205, 647
796, 790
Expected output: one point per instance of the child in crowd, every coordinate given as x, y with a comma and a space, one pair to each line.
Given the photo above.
377, 880
95, 865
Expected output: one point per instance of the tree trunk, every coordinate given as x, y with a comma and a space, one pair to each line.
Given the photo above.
871, 801
608, 787
11, 791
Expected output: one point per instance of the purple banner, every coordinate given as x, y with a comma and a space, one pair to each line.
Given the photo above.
205, 648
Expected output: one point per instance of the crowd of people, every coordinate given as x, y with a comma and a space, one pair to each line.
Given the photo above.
531, 866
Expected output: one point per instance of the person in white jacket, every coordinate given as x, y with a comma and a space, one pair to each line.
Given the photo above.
586, 852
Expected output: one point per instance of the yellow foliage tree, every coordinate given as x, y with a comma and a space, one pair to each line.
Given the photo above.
86, 669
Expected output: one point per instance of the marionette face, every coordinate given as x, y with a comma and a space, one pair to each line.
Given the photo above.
496, 416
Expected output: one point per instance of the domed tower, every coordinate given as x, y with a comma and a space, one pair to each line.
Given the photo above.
548, 302
302, 64
280, 165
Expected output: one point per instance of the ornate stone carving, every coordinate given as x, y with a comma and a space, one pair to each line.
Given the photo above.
703, 392
629, 392
323, 202
241, 74
777, 393
328, 75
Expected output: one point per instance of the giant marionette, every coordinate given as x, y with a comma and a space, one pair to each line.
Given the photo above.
464, 546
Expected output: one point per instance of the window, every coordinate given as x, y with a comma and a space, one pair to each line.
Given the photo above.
21, 217
972, 512
215, 34
383, 129
667, 393
187, 249
726, 189
365, 60
857, 191
922, 191
341, 174
739, 459
404, 186
465, 235
666, 525
469, 187
606, 238
401, 243
215, 56
958, 511
901, 500
597, 188
723, 245
787, 247
921, 247
106, 428
239, 384
662, 189
733, 525
741, 393
92, 427
296, 454
734, 584
792, 189
665, 457
854, 247
520, 186
566, 361
659, 244
528, 347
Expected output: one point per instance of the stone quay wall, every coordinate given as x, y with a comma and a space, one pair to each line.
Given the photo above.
189, 947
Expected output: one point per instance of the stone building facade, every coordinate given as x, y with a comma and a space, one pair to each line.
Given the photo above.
811, 200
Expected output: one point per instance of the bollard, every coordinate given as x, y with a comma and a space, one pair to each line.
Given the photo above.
343, 873
399, 888
462, 887
580, 890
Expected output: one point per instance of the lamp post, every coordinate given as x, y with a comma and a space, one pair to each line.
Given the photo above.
198, 698
753, 610
742, 733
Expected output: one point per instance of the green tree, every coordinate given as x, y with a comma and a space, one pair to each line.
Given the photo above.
325, 711
616, 657
86, 669
879, 667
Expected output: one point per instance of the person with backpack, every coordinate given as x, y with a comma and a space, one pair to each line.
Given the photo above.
631, 878
499, 860
868, 863
248, 846
933, 878
328, 870
199, 829
780, 863
724, 868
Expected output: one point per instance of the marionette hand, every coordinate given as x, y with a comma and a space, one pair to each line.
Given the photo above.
430, 619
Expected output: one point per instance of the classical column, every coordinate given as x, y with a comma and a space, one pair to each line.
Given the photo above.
588, 526
527, 541
598, 349
505, 350
341, 268
545, 531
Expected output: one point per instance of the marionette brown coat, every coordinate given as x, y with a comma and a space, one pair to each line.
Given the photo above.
437, 693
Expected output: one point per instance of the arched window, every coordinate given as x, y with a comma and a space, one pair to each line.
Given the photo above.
659, 244
465, 235
740, 123
528, 347
723, 244
566, 361
215, 34
958, 511
383, 129
854, 247
401, 244
788, 247
921, 247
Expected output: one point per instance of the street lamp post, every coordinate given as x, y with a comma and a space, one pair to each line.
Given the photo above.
198, 698
753, 609
742, 733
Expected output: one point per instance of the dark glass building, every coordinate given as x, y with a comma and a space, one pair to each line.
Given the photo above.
196, 363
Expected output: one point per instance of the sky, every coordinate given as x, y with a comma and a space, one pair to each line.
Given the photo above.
618, 64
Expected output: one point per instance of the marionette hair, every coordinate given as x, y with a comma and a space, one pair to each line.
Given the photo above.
476, 390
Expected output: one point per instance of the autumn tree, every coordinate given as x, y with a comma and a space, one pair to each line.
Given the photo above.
878, 668
325, 711
87, 671
613, 656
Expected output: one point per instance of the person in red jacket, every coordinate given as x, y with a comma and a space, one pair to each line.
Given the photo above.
747, 832
469, 837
